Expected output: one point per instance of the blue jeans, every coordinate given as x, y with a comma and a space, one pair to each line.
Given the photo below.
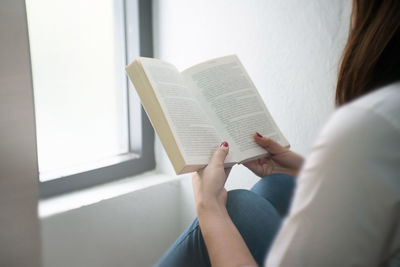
257, 214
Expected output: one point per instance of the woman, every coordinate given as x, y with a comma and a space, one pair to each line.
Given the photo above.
346, 210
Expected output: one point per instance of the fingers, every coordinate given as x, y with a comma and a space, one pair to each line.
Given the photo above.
219, 156
250, 164
270, 145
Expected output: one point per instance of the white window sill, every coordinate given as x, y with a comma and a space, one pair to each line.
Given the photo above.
74, 200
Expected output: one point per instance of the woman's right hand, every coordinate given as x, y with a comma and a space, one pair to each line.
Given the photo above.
279, 160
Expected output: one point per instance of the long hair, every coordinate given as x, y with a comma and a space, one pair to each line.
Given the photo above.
371, 57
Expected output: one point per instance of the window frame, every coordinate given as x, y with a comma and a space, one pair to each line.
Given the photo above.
140, 158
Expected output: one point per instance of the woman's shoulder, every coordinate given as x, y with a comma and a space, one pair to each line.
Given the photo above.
367, 119
383, 102
362, 137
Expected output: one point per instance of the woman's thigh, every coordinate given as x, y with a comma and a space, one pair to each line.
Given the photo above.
254, 216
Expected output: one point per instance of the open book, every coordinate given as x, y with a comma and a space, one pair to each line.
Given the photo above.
195, 110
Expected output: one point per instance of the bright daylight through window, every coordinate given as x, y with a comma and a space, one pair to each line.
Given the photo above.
82, 104
77, 65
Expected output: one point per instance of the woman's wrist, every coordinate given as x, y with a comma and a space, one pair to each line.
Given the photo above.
210, 214
209, 205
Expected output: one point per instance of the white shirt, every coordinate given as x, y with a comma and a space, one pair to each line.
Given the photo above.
346, 209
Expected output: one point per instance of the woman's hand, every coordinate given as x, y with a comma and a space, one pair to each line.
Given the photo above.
280, 160
224, 243
208, 183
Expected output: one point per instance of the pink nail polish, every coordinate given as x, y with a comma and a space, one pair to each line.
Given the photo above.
224, 144
259, 135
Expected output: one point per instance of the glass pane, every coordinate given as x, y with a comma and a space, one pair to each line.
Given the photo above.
78, 79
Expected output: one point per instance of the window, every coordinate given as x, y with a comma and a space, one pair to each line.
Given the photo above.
90, 125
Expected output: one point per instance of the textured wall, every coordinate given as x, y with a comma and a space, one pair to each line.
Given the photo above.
290, 49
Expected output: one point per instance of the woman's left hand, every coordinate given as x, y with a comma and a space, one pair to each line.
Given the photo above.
208, 183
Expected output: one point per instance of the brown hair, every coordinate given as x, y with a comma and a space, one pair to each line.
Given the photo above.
371, 57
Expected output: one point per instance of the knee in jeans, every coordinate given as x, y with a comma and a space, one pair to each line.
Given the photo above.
242, 205
256, 219
237, 196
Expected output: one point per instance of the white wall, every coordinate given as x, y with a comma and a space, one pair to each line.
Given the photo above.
290, 49
130, 230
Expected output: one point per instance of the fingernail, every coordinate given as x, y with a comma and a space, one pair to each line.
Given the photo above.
224, 144
259, 135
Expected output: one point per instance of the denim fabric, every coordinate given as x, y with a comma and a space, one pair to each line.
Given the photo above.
257, 214
277, 189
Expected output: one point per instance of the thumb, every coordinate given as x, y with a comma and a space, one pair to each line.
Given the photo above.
268, 144
219, 156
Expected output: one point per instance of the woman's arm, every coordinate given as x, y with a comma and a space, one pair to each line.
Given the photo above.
224, 243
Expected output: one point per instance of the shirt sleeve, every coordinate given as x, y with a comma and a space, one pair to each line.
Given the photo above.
346, 207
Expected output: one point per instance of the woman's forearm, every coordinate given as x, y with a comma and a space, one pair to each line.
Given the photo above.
224, 243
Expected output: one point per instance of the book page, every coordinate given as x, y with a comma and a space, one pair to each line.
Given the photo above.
195, 134
223, 86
